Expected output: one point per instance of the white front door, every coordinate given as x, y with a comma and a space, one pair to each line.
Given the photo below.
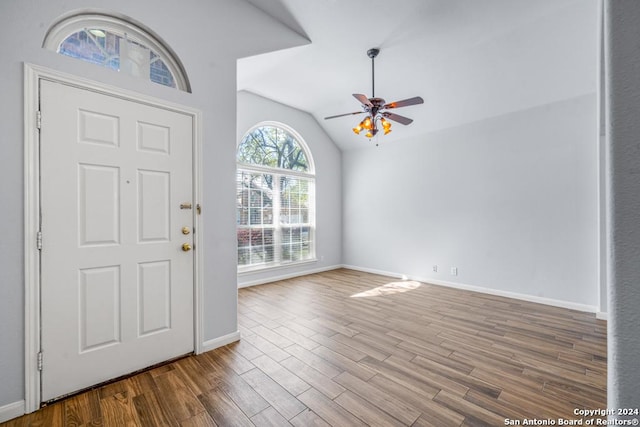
117, 286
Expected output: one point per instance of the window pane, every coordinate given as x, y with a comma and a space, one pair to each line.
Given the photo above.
255, 246
268, 236
284, 215
286, 253
102, 47
267, 215
244, 237
274, 147
294, 218
296, 252
305, 237
254, 200
295, 235
93, 45
286, 236
293, 196
257, 255
296, 243
268, 254
160, 73
242, 199
256, 237
243, 256
255, 216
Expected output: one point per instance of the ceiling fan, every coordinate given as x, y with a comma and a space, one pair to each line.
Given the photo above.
376, 107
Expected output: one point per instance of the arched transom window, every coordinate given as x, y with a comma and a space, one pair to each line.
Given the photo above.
275, 187
118, 44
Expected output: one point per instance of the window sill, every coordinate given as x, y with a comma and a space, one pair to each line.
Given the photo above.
242, 271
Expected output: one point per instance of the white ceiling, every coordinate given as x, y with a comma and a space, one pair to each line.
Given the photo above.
468, 59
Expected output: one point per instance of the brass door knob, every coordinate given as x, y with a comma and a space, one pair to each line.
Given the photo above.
186, 247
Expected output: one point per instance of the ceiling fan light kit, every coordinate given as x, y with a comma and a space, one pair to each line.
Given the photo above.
374, 107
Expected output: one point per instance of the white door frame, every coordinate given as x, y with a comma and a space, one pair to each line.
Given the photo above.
32, 76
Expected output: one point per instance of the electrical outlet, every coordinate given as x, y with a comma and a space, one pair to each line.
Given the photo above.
435, 268
454, 271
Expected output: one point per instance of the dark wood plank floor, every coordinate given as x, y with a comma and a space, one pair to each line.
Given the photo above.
346, 348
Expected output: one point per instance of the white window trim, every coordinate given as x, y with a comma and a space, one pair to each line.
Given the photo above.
119, 25
277, 172
245, 271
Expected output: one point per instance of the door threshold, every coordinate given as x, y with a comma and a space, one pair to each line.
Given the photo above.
115, 380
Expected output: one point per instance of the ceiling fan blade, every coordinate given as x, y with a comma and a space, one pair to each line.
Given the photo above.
397, 118
405, 102
342, 115
363, 99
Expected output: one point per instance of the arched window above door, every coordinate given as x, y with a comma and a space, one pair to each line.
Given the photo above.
119, 44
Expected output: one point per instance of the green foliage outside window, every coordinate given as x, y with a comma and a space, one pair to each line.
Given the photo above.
273, 147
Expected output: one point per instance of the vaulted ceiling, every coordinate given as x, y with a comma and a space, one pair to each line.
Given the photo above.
468, 59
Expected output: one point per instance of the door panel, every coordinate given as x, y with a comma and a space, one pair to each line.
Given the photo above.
99, 205
154, 208
99, 307
154, 298
116, 287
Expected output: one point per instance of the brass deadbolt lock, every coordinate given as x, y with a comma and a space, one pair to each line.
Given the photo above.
186, 230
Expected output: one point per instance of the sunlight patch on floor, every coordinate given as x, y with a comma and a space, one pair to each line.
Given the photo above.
389, 289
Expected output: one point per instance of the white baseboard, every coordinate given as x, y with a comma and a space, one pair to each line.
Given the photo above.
374, 271
287, 276
11, 411
221, 341
515, 295
602, 315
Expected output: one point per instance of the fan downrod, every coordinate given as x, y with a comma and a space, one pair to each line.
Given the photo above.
372, 53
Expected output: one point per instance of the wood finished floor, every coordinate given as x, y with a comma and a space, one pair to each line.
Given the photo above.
346, 348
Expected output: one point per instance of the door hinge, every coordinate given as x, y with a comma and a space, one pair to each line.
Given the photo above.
40, 361
39, 240
38, 119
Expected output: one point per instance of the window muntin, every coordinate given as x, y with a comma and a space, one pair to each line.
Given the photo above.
118, 44
275, 199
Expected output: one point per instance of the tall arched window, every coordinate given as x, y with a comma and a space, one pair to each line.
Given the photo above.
275, 189
117, 43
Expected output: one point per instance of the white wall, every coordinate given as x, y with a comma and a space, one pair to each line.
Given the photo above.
542, 58
253, 109
622, 32
507, 188
207, 38
510, 201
